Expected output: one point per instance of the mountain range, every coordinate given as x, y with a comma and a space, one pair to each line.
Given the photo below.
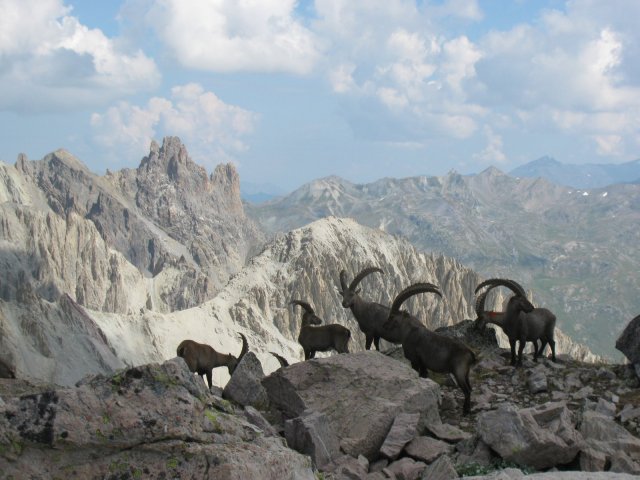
590, 175
575, 249
98, 272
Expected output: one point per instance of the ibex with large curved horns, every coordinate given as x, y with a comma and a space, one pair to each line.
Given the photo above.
202, 358
314, 338
427, 350
369, 315
521, 321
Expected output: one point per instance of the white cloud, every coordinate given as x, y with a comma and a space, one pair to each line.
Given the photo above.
212, 129
492, 153
51, 61
231, 36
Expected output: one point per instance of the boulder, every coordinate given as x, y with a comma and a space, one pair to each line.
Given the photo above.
604, 438
348, 468
244, 386
427, 449
537, 381
540, 437
447, 432
515, 474
311, 434
629, 341
403, 430
406, 469
441, 469
361, 394
149, 421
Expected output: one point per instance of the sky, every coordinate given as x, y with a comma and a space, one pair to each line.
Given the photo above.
290, 91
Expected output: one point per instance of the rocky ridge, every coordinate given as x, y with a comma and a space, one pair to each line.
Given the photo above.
574, 248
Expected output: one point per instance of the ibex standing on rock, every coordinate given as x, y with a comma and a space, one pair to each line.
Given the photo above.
521, 321
369, 315
427, 350
322, 338
202, 358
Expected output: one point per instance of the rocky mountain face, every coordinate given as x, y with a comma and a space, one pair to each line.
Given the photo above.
580, 176
69, 231
574, 249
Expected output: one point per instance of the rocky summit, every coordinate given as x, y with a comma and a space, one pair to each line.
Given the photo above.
364, 415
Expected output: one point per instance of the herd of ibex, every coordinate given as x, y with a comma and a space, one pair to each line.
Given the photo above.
426, 350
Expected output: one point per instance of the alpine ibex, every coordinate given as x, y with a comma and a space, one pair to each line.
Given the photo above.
323, 338
370, 316
202, 358
521, 321
427, 350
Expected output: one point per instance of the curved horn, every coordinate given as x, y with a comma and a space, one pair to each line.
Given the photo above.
363, 274
512, 285
245, 347
480, 303
413, 290
305, 305
283, 361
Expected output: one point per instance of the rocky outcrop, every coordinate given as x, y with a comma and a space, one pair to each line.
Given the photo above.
151, 421
629, 342
361, 394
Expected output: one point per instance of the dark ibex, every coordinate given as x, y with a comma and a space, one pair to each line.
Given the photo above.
427, 350
202, 358
283, 361
370, 316
521, 321
323, 338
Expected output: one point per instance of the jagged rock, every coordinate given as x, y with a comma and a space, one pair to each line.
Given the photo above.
427, 449
348, 468
406, 469
151, 420
257, 419
244, 386
311, 434
629, 413
537, 381
360, 394
605, 408
441, 469
473, 451
538, 437
403, 430
629, 341
604, 438
446, 431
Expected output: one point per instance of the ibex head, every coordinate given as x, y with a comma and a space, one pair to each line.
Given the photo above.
350, 292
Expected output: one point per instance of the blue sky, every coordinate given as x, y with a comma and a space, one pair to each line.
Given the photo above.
292, 91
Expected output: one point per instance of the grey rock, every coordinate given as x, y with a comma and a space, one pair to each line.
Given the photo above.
629, 341
427, 449
604, 438
257, 419
621, 462
629, 413
403, 430
312, 435
515, 474
244, 386
406, 469
537, 381
155, 419
348, 468
474, 451
445, 431
378, 465
541, 437
441, 469
606, 408
583, 393
360, 393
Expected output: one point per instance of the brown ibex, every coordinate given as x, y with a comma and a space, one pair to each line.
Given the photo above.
521, 321
202, 358
427, 350
322, 338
